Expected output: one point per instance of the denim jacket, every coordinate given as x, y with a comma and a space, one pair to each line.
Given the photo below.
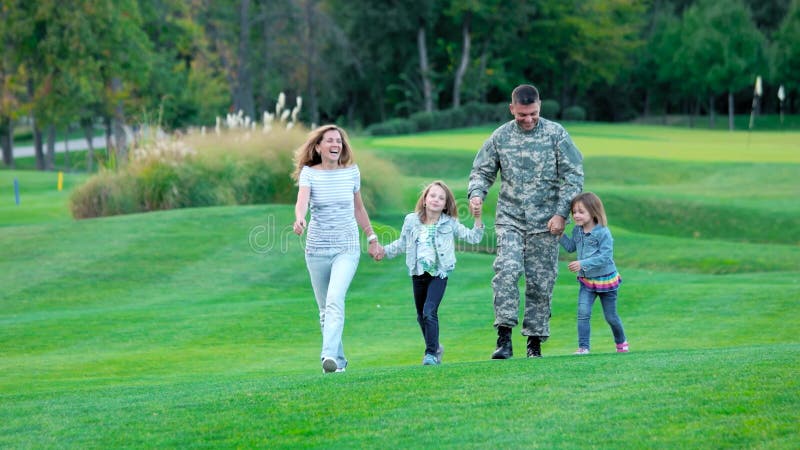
447, 229
595, 250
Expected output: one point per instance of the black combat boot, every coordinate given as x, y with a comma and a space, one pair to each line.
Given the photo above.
534, 347
504, 349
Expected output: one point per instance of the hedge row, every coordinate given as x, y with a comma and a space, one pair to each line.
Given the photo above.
471, 114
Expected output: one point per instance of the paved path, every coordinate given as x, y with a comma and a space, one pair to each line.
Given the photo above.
74, 145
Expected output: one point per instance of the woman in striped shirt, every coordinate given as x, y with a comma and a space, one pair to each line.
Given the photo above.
597, 273
329, 184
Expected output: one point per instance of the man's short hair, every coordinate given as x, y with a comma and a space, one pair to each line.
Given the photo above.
524, 94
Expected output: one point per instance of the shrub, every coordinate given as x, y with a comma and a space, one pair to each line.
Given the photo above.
157, 186
470, 114
379, 183
453, 118
550, 109
105, 194
199, 170
575, 113
423, 121
242, 167
392, 126
501, 113
477, 113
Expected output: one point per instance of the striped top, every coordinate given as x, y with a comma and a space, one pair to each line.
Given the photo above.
333, 221
605, 283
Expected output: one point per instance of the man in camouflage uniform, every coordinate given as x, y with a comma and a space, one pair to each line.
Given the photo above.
541, 170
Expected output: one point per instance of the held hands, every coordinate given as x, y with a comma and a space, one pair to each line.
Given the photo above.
376, 250
475, 207
476, 212
556, 225
574, 266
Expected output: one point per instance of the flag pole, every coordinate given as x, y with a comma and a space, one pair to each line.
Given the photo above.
756, 96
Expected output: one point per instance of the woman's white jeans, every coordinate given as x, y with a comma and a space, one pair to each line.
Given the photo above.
331, 273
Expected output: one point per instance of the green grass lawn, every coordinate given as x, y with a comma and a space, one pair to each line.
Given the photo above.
40, 201
198, 328
74, 161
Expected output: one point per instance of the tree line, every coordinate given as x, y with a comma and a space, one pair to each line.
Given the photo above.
82, 64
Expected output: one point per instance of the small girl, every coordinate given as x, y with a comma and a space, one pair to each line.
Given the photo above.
597, 273
427, 238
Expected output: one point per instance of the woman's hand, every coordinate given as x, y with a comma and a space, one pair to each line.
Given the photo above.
299, 226
376, 250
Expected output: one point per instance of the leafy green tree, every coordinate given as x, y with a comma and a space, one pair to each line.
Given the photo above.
384, 64
655, 75
120, 58
721, 61
84, 60
576, 44
768, 15
485, 28
13, 75
785, 54
187, 85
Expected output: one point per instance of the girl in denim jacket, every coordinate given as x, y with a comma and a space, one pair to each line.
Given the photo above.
428, 240
597, 273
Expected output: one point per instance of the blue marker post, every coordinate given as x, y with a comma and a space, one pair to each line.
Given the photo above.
16, 190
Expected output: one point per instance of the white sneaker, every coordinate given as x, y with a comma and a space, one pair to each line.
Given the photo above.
329, 365
581, 351
429, 360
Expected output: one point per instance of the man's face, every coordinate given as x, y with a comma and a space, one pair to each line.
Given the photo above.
527, 116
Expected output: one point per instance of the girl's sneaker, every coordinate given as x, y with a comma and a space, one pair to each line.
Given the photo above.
622, 348
581, 351
429, 360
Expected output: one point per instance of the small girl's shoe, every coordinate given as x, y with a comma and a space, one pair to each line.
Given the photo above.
429, 360
581, 351
622, 348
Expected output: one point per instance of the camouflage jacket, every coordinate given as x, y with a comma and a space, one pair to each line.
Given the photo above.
541, 171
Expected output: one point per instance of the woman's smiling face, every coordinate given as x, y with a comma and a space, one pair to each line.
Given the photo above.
330, 147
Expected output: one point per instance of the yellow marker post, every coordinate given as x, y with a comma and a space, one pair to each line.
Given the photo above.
60, 180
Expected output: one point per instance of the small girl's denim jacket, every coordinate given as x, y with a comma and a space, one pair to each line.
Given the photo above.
447, 229
595, 250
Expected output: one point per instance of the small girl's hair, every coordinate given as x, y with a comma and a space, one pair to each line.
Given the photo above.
449, 205
593, 205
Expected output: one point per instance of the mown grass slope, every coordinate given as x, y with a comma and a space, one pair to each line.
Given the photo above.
197, 328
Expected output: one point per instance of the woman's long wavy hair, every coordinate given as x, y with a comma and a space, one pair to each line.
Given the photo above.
307, 154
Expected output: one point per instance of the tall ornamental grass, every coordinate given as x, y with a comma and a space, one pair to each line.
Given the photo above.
234, 167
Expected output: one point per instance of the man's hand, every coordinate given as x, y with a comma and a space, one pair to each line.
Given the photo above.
556, 225
475, 206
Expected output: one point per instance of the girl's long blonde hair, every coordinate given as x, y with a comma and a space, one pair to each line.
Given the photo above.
307, 155
449, 206
593, 205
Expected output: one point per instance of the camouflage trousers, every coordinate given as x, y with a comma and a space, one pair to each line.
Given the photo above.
535, 255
